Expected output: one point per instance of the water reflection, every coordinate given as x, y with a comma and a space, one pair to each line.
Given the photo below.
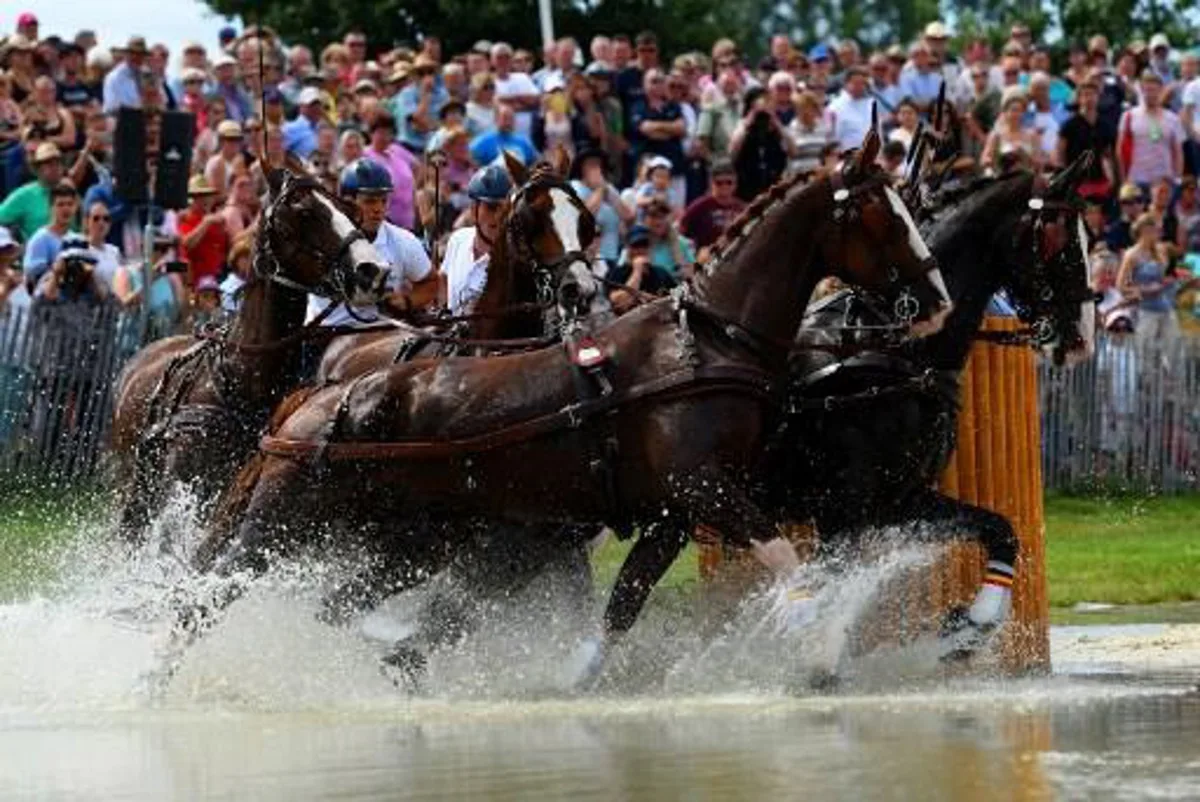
1080, 740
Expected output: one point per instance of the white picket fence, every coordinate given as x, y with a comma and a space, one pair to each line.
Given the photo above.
1127, 420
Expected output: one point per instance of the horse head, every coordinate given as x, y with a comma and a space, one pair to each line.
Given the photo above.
551, 231
876, 242
1053, 294
309, 241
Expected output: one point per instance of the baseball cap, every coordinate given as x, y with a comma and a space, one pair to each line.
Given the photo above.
309, 94
553, 83
1159, 40
207, 284
655, 162
224, 60
26, 18
227, 33
271, 94
819, 53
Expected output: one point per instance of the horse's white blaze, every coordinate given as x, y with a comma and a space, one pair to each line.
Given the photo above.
565, 216
361, 251
914, 235
1087, 309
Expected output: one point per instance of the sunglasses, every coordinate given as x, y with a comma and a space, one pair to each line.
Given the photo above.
102, 218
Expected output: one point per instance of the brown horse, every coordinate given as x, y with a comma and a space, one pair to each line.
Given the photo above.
191, 408
538, 278
526, 438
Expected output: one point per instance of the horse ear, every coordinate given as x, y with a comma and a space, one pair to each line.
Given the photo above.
869, 152
560, 160
516, 169
295, 164
1067, 181
275, 177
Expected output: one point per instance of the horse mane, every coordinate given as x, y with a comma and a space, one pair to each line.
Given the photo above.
498, 287
758, 208
501, 289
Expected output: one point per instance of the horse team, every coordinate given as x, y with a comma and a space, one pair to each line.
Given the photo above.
536, 419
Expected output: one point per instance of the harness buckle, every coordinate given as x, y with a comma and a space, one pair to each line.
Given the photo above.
574, 419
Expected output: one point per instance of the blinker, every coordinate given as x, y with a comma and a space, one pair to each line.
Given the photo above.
1037, 204
842, 195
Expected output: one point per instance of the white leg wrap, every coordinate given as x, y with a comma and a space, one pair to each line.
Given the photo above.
991, 605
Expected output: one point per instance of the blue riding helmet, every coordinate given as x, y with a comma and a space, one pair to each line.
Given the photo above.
489, 185
365, 176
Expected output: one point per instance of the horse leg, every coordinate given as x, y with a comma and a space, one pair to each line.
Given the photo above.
282, 510
652, 554
720, 502
966, 630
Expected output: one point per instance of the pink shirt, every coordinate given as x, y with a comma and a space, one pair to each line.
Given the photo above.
1154, 141
401, 165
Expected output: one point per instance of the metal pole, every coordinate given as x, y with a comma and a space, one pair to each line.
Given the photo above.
546, 18
147, 267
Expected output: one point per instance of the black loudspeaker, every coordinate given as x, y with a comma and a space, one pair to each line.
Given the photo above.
174, 159
129, 155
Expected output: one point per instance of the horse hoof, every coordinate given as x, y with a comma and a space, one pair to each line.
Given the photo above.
961, 638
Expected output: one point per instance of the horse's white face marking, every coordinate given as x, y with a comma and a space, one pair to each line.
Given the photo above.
361, 251
914, 235
1087, 309
564, 214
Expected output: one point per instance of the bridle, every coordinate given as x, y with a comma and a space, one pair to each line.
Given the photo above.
847, 207
336, 283
546, 272
1047, 302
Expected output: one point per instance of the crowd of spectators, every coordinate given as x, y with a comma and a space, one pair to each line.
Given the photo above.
665, 151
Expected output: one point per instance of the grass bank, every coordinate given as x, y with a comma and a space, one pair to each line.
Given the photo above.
1123, 550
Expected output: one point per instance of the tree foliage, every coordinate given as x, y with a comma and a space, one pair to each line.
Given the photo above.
695, 24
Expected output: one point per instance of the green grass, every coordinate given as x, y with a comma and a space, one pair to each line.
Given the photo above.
34, 523
1122, 550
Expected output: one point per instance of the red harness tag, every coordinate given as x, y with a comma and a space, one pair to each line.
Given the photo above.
586, 353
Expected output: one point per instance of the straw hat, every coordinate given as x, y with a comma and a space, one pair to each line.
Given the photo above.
229, 129
46, 152
198, 186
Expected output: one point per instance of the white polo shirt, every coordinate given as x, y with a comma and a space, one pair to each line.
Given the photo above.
406, 260
465, 275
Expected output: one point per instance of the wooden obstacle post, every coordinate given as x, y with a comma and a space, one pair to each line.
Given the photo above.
997, 465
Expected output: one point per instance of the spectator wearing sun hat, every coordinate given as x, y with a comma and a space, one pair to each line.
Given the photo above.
27, 209
416, 107
202, 232
300, 135
238, 105
230, 160
122, 86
